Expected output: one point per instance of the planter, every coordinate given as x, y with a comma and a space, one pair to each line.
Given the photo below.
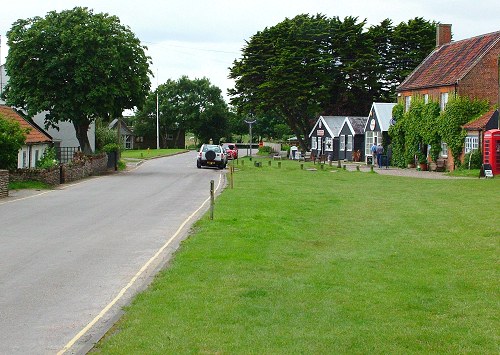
423, 166
432, 166
411, 166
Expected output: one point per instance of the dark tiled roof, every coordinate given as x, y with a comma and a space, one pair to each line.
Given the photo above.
35, 134
358, 124
482, 121
450, 62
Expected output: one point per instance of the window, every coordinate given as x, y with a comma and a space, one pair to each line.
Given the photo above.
471, 143
407, 103
37, 157
426, 98
443, 100
313, 143
25, 160
349, 143
444, 150
368, 142
329, 143
342, 142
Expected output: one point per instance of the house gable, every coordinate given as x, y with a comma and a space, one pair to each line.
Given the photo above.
380, 117
35, 135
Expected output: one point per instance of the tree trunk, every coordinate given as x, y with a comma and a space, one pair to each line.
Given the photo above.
81, 134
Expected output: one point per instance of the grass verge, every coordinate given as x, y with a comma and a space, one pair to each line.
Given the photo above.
327, 261
20, 185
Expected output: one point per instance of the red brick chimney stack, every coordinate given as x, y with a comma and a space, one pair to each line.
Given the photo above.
443, 34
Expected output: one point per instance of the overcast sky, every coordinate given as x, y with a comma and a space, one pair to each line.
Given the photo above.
201, 38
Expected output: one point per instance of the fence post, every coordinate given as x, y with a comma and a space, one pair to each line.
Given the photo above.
211, 199
231, 175
301, 166
279, 165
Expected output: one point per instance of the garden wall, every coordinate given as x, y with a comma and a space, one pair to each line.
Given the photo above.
4, 183
78, 169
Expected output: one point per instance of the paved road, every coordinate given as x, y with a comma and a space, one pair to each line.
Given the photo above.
66, 254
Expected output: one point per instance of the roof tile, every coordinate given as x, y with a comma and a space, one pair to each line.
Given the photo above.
35, 134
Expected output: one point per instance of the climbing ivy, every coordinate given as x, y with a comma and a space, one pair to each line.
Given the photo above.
459, 111
423, 125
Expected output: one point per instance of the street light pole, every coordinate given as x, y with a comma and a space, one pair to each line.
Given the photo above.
250, 128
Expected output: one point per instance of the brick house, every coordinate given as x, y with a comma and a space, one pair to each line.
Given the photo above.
469, 67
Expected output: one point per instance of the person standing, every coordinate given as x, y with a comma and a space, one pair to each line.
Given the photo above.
380, 151
373, 150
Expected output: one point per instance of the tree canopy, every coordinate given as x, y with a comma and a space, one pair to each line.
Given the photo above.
12, 138
76, 65
312, 65
193, 105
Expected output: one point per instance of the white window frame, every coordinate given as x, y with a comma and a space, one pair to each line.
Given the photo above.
443, 100
471, 144
329, 140
349, 143
313, 143
426, 98
342, 142
444, 150
407, 103
369, 142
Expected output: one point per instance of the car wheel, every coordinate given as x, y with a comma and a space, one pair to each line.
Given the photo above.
198, 164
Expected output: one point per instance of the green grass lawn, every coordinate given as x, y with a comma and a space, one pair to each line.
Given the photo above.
149, 153
321, 262
19, 185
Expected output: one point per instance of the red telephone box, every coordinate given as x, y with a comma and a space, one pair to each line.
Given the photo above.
491, 150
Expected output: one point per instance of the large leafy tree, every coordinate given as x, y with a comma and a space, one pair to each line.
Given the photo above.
76, 65
194, 105
12, 138
312, 65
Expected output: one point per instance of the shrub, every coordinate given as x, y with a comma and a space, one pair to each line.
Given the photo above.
475, 158
265, 150
111, 147
12, 138
48, 159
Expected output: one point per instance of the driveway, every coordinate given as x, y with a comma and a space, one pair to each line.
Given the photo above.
70, 258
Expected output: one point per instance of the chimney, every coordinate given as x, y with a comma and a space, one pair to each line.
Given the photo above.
443, 34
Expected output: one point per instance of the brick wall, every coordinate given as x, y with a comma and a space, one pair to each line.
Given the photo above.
482, 81
4, 183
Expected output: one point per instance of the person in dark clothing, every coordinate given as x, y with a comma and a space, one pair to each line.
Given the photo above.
380, 151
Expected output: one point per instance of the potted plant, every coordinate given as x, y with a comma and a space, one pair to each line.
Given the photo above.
422, 161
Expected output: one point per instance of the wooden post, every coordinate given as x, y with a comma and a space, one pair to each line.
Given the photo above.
212, 200
279, 165
269, 162
301, 166
231, 175
339, 164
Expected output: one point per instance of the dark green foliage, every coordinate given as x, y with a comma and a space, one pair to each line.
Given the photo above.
12, 138
195, 105
473, 160
312, 65
111, 147
265, 150
48, 159
459, 111
104, 135
78, 66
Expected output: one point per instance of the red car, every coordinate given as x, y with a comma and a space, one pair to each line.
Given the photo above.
232, 150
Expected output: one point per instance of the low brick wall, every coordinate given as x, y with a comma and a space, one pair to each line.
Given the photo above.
4, 183
80, 168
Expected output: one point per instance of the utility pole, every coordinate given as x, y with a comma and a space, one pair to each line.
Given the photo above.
250, 128
157, 114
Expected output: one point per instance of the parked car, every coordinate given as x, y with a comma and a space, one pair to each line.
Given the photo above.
211, 155
232, 150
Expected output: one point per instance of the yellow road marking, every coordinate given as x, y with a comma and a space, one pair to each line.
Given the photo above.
132, 281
